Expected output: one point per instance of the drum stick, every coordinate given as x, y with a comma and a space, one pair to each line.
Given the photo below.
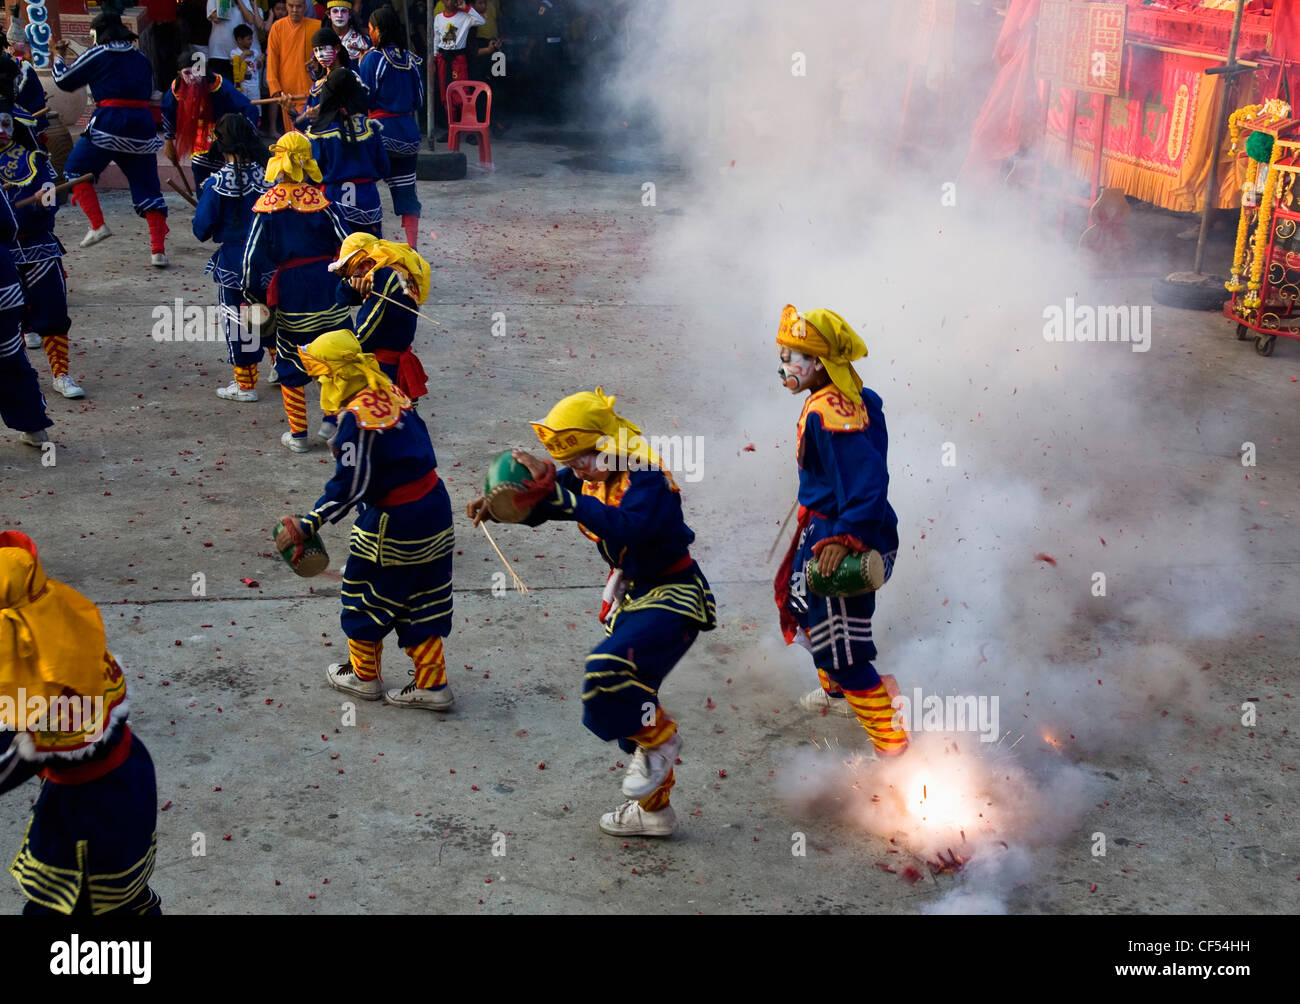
781, 532
182, 193
276, 101
57, 188
389, 299
519, 583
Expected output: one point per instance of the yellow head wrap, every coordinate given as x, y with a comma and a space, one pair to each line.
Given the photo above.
291, 158
389, 254
587, 421
52, 645
343, 369
826, 335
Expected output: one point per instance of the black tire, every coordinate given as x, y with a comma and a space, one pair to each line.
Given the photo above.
1193, 292
1243, 333
443, 166
1264, 344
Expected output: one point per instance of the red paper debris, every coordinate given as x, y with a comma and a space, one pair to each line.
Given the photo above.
250, 583
1045, 557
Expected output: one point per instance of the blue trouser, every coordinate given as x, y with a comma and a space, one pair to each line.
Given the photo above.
624, 672
243, 344
401, 184
22, 405
45, 293
141, 170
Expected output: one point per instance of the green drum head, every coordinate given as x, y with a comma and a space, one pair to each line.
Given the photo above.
857, 574
504, 470
312, 561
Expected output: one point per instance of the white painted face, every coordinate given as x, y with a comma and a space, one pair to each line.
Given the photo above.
798, 371
588, 467
6, 127
339, 16
325, 54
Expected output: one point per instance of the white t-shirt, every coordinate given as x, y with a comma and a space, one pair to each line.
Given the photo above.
452, 30
222, 38
254, 64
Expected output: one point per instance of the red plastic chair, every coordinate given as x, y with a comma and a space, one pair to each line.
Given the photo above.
462, 117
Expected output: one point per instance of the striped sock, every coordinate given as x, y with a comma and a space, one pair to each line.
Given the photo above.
658, 733
295, 409
828, 685
658, 799
365, 657
876, 714
56, 351
246, 376
430, 666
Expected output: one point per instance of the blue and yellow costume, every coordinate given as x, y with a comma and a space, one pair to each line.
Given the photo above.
396, 86
352, 159
657, 598
22, 406
382, 327
30, 97
225, 215
121, 129
222, 98
298, 231
843, 486
37, 252
90, 843
398, 572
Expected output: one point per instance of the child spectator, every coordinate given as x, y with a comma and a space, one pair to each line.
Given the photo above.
247, 65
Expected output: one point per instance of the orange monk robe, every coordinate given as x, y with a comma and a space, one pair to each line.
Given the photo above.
288, 50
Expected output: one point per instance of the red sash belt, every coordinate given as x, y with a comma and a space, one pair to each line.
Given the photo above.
411, 378
680, 565
379, 113
273, 290
122, 103
410, 492
356, 181
84, 773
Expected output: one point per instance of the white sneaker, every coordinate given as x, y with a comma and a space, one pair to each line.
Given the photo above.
32, 340
341, 676
630, 820
649, 767
94, 236
233, 392
412, 696
36, 439
66, 386
272, 377
159, 260
823, 704
327, 430
298, 444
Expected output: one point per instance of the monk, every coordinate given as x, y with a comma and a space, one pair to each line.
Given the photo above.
288, 51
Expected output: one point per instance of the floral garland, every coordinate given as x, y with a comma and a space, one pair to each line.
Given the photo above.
1263, 228
1235, 283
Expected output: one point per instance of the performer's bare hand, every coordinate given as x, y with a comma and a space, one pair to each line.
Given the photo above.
536, 468
363, 284
478, 510
830, 558
61, 46
312, 113
289, 534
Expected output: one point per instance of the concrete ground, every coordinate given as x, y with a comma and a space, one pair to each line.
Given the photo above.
492, 807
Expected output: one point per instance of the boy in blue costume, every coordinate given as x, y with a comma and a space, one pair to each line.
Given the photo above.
225, 215
398, 573
392, 74
121, 129
297, 230
656, 601
348, 148
843, 510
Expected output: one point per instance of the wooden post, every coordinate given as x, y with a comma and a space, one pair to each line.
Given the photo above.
1229, 72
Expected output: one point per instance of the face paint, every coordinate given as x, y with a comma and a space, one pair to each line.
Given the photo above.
588, 467
339, 15
325, 55
797, 370
6, 127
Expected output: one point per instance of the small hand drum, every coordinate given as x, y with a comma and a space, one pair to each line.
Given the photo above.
306, 559
857, 574
505, 478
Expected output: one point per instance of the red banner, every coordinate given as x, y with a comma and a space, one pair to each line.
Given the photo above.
1081, 46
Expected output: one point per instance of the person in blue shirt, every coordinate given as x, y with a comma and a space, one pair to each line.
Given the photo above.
395, 80
656, 602
348, 147
225, 215
121, 129
297, 230
399, 567
191, 109
843, 509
